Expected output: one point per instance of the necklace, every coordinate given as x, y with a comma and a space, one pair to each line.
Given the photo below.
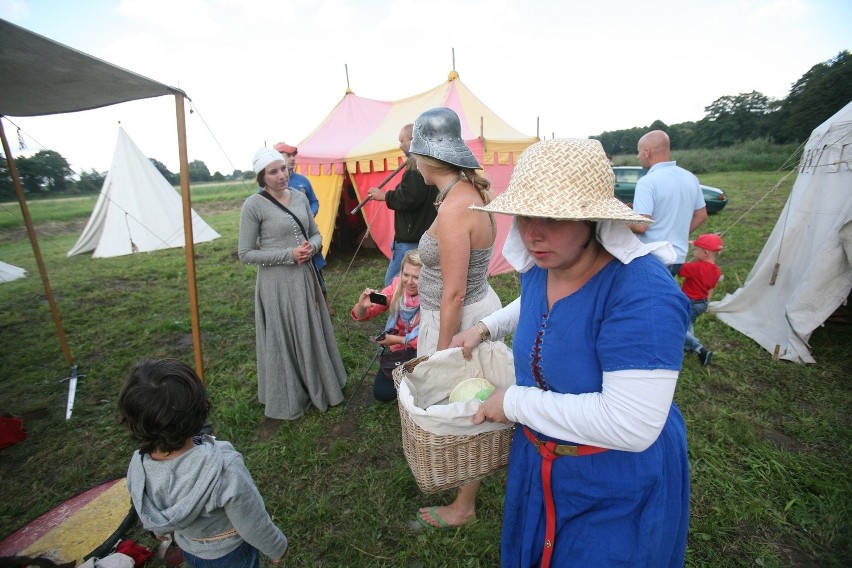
445, 191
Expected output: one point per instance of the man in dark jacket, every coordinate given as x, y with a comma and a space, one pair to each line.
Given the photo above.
413, 204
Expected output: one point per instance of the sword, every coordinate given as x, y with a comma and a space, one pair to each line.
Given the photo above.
72, 390
380, 186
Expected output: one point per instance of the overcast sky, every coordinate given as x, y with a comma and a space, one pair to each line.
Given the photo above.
263, 71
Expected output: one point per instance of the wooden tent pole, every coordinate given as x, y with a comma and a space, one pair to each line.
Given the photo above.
54, 310
189, 245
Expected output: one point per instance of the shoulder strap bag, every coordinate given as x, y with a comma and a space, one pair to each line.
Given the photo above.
317, 272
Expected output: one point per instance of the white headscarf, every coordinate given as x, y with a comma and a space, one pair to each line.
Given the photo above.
265, 156
615, 237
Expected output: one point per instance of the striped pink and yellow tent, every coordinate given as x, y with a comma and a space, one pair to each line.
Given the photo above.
358, 141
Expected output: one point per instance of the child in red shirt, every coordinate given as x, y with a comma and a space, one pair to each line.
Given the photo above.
700, 277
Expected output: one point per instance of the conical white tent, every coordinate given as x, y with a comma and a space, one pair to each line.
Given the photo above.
9, 272
804, 271
138, 210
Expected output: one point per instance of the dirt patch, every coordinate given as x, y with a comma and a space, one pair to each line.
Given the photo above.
348, 427
44, 230
781, 441
720, 388
211, 207
798, 558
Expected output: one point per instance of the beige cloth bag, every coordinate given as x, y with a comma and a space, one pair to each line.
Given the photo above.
423, 391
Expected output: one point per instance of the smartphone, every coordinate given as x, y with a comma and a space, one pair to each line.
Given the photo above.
379, 337
377, 298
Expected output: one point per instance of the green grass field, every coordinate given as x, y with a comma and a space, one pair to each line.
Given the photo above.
768, 441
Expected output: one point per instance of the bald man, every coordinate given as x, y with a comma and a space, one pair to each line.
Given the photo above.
413, 204
668, 194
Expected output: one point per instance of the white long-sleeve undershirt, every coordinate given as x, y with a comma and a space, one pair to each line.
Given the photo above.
505, 320
628, 414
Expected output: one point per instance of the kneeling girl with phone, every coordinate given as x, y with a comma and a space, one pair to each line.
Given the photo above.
401, 301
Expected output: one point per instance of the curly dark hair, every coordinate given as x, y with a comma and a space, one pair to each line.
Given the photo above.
163, 402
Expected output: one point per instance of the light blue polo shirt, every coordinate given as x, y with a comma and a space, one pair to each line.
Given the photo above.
670, 195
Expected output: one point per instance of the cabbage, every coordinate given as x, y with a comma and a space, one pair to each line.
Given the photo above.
468, 389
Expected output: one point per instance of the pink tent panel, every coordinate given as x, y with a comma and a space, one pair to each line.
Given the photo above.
360, 138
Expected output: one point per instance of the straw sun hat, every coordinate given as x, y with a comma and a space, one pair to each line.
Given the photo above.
564, 178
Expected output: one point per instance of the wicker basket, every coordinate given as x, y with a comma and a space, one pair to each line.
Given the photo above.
443, 462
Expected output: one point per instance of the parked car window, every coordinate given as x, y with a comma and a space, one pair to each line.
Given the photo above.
630, 175
625, 188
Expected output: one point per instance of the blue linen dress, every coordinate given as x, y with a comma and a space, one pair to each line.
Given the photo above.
615, 508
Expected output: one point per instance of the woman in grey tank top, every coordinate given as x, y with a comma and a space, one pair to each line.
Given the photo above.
456, 250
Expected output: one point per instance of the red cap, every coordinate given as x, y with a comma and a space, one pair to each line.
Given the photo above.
708, 241
286, 148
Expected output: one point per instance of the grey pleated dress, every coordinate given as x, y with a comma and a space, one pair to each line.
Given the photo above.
298, 363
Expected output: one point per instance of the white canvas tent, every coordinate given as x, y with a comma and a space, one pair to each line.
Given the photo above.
138, 210
9, 272
804, 272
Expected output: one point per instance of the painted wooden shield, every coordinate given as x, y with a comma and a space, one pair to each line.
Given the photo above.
88, 524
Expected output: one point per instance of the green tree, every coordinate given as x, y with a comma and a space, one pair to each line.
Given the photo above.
91, 181
44, 171
621, 141
198, 171
161, 167
821, 92
682, 135
732, 119
217, 176
6, 186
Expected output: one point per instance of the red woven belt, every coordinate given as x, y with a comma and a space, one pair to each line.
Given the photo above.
549, 451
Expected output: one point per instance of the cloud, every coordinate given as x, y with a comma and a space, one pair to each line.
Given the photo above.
267, 70
13, 10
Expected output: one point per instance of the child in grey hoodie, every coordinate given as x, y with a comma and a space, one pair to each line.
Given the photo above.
189, 484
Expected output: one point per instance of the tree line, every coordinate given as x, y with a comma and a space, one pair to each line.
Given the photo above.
48, 172
818, 94
729, 120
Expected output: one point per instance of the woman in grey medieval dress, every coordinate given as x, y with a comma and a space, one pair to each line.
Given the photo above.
298, 363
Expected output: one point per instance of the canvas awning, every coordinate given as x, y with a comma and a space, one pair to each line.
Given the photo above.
41, 76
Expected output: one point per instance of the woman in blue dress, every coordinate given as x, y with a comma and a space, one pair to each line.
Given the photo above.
598, 472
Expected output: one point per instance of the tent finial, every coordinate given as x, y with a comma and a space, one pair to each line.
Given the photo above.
346, 68
453, 75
